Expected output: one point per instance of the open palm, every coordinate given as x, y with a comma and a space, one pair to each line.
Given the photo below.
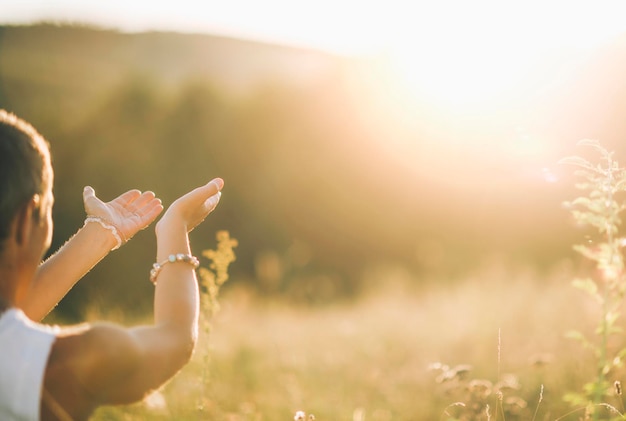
129, 213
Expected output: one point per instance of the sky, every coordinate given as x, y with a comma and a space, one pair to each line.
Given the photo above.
345, 26
459, 53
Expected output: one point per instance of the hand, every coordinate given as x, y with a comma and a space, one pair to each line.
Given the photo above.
192, 208
129, 212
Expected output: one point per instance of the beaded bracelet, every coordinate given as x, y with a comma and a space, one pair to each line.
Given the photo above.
172, 258
109, 226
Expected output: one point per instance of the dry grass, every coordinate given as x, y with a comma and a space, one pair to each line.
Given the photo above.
369, 359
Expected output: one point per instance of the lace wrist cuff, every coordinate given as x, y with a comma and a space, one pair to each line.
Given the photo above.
118, 238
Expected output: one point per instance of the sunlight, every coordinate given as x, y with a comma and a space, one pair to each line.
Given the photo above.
457, 72
481, 56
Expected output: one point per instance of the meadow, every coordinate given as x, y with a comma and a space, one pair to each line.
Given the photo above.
370, 359
398, 259
503, 342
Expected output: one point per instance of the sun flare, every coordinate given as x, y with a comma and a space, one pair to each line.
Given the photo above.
483, 56
456, 74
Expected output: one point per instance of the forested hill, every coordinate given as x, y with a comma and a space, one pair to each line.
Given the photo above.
331, 169
79, 62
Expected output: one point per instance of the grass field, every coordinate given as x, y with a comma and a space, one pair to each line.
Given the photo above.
369, 359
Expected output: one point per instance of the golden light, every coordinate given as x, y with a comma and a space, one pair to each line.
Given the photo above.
460, 72
481, 54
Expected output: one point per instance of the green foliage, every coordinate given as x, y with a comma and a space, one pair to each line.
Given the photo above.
600, 208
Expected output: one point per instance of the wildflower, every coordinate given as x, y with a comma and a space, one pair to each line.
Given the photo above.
301, 416
480, 388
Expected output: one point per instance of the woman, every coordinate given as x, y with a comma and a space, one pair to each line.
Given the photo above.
54, 373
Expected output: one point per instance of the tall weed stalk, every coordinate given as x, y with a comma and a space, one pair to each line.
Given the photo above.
211, 280
599, 208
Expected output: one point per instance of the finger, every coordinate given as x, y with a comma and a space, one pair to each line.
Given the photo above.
149, 208
151, 214
127, 198
212, 202
146, 207
203, 193
214, 186
206, 208
219, 183
143, 199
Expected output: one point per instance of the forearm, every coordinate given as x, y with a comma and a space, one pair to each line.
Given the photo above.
57, 275
176, 304
166, 346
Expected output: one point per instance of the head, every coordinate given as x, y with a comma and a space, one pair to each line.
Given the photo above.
25, 180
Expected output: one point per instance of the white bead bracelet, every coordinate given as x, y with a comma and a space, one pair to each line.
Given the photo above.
172, 258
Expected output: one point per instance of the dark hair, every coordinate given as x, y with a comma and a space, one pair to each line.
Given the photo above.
25, 168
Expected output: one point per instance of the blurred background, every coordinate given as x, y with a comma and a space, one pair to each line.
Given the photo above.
350, 136
391, 175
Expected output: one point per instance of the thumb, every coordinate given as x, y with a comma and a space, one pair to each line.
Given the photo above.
89, 195
212, 201
88, 192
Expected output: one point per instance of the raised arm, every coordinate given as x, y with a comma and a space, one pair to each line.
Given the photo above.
107, 364
128, 214
170, 342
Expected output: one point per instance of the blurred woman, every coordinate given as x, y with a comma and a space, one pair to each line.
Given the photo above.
65, 373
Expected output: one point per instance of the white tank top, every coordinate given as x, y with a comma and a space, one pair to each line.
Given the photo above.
24, 349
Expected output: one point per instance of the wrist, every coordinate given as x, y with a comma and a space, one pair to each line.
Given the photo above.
112, 238
186, 258
168, 225
172, 238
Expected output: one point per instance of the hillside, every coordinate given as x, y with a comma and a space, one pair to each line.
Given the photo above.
331, 169
74, 64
